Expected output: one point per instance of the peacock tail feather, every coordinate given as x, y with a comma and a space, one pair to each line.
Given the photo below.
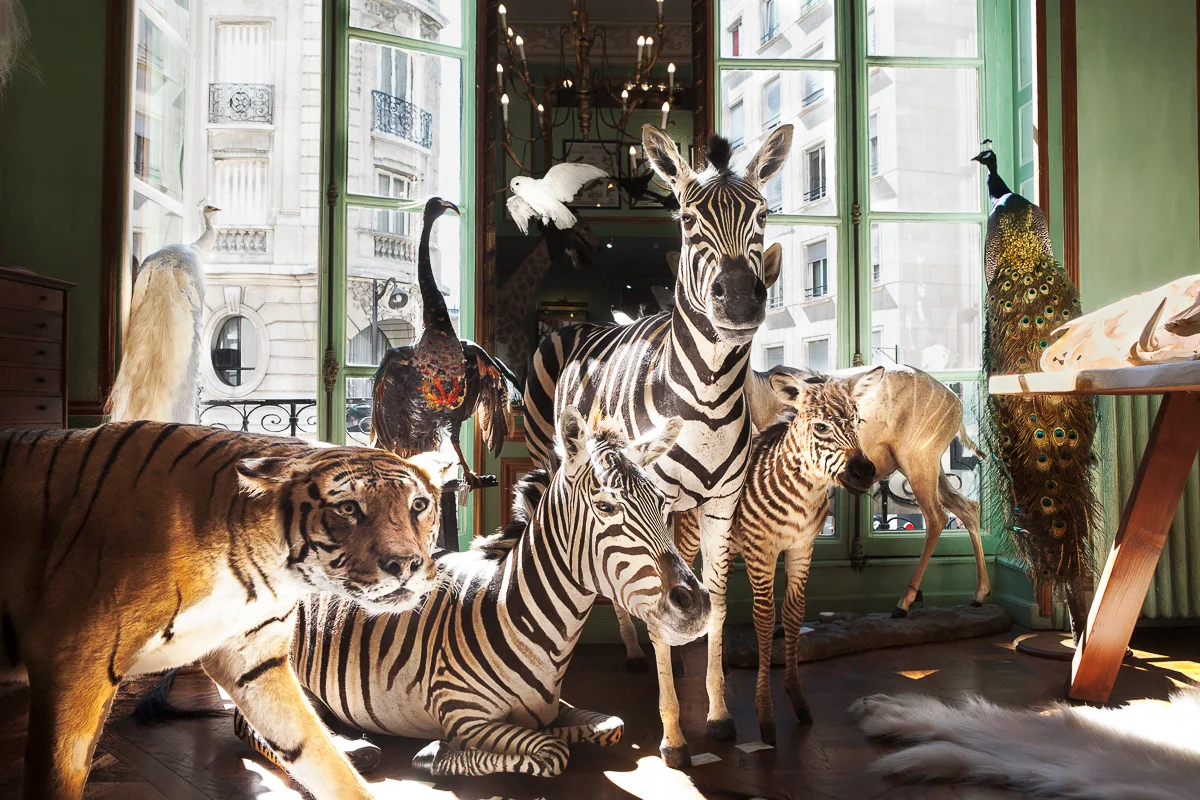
1043, 444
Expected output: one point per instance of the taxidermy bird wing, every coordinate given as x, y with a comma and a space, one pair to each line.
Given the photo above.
563, 181
521, 212
491, 379
401, 420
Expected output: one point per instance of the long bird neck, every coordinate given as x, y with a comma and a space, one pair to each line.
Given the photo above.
997, 188
436, 315
208, 234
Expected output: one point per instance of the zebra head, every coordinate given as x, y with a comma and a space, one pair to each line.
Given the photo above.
723, 270
623, 548
823, 431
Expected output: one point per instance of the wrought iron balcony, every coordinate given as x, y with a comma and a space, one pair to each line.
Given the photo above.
401, 118
814, 94
815, 193
395, 248
241, 102
291, 416
819, 290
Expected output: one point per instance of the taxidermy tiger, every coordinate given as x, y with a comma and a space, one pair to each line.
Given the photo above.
134, 547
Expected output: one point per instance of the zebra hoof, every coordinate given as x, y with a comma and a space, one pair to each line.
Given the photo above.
721, 729
899, 613
803, 714
637, 665
766, 732
363, 754
676, 757
427, 758
976, 604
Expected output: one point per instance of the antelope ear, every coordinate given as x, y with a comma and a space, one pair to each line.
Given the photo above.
438, 467
787, 387
264, 474
571, 437
649, 448
768, 161
772, 264
864, 384
665, 158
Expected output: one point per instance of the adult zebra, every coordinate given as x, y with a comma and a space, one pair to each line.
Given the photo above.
480, 667
689, 362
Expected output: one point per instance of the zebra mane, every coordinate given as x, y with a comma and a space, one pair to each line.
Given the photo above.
719, 153
770, 435
526, 496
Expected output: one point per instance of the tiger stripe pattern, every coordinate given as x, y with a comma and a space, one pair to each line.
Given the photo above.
138, 546
479, 668
690, 362
793, 465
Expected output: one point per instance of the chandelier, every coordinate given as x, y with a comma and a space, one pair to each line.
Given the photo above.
586, 87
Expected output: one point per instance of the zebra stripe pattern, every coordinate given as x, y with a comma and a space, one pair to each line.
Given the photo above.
480, 667
793, 465
690, 363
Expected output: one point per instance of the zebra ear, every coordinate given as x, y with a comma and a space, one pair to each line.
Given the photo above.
571, 437
646, 450
768, 161
664, 156
772, 264
787, 387
264, 474
864, 384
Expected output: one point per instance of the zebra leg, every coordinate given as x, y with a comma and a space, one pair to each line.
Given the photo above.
484, 748
760, 568
363, 754
924, 481
673, 748
580, 725
635, 656
715, 538
798, 560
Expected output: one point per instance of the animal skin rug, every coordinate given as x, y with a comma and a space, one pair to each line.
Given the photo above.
1146, 751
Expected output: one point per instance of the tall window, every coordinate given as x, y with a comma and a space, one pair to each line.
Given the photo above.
735, 38
771, 104
876, 254
816, 259
770, 20
394, 72
392, 185
773, 192
737, 129
816, 352
773, 356
235, 351
873, 144
814, 82
814, 166
775, 293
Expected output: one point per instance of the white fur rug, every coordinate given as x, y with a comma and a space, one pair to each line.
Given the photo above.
1146, 751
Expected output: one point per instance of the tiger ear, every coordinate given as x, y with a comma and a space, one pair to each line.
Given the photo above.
436, 466
264, 474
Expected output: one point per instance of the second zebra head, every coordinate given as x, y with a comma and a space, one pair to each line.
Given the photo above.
630, 554
825, 423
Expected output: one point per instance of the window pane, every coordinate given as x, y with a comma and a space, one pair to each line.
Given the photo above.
929, 296
360, 402
428, 20
159, 111
927, 126
383, 303
774, 28
800, 311
946, 28
806, 100
417, 138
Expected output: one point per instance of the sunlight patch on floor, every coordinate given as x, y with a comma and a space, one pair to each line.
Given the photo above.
916, 674
654, 780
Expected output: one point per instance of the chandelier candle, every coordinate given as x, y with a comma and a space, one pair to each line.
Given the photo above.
670, 67
641, 46
666, 113
504, 105
504, 14
500, 76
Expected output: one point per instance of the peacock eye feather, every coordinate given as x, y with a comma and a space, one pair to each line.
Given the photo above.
1058, 528
1040, 321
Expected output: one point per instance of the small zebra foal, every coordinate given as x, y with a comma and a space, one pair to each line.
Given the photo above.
783, 507
480, 667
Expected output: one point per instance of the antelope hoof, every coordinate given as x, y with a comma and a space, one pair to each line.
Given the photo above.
427, 758
920, 598
676, 757
363, 754
637, 665
976, 604
766, 731
722, 729
899, 613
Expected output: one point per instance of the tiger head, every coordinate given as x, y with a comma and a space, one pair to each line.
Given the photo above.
357, 522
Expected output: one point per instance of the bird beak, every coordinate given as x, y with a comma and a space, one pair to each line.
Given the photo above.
979, 157
451, 207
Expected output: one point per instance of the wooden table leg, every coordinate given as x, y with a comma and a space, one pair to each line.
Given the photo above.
1162, 476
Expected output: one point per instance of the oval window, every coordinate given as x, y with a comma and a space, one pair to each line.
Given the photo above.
235, 351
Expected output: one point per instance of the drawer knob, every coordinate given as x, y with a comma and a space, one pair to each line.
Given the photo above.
42, 407
41, 352
43, 298
41, 325
40, 380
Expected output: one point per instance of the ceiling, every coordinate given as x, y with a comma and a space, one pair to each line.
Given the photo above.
599, 10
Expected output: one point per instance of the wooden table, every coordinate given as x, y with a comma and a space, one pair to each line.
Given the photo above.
1161, 478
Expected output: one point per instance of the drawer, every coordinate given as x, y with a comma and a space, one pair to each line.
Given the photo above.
35, 354
14, 408
33, 324
25, 380
23, 295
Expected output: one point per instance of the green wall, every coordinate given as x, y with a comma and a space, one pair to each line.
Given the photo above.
51, 140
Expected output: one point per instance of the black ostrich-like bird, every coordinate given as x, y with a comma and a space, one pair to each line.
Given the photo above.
441, 381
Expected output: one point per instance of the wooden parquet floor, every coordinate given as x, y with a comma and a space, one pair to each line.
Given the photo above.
202, 760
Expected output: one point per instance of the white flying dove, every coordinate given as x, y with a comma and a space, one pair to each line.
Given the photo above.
545, 198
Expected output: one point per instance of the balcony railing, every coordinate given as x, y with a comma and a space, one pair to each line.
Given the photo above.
395, 248
291, 416
815, 193
774, 300
814, 94
241, 102
820, 290
401, 118
809, 6
241, 241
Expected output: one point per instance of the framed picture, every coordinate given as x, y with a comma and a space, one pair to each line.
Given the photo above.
554, 315
601, 194
511, 471
656, 185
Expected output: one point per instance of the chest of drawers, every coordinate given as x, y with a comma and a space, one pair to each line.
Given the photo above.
33, 350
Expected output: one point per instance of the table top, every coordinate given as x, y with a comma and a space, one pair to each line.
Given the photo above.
1182, 376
